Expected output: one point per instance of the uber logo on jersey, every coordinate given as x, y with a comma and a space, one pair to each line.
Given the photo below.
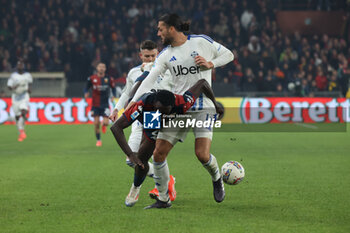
151, 120
181, 70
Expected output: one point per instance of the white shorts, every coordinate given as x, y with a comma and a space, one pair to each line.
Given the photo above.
135, 136
19, 104
173, 135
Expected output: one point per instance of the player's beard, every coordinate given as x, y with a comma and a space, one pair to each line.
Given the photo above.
167, 41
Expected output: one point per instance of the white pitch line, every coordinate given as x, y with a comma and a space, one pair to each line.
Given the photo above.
306, 125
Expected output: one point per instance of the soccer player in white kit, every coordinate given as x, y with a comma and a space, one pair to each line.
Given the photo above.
148, 53
20, 83
189, 59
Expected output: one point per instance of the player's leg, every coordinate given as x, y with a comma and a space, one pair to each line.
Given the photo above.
17, 118
202, 150
144, 154
154, 193
166, 140
97, 130
16, 106
134, 143
161, 173
105, 123
21, 123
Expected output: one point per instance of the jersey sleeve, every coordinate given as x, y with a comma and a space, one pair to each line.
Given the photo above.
10, 81
112, 86
125, 93
133, 112
30, 78
183, 102
159, 67
221, 55
88, 85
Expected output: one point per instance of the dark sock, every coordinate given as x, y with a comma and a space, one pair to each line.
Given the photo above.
98, 136
138, 180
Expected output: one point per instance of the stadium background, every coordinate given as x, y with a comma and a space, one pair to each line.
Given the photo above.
57, 180
274, 54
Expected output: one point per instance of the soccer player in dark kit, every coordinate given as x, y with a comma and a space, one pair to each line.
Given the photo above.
159, 102
101, 85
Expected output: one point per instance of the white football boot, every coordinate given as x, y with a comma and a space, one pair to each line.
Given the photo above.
133, 196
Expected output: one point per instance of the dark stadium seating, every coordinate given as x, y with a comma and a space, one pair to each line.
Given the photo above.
71, 36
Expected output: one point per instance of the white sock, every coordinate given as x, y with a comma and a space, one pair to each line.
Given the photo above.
150, 172
213, 168
161, 178
129, 163
20, 123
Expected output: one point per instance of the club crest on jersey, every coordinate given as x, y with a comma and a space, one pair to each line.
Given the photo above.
106, 80
194, 54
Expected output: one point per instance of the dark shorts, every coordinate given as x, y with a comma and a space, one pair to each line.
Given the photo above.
100, 111
151, 134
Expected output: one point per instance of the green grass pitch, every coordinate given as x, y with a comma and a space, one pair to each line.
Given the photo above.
58, 181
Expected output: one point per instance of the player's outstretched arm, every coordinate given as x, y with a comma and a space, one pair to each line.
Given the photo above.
87, 88
148, 83
118, 133
202, 86
29, 88
135, 87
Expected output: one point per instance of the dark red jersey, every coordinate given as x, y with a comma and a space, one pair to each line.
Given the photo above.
135, 112
101, 88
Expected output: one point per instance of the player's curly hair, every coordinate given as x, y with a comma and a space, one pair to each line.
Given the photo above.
166, 98
175, 21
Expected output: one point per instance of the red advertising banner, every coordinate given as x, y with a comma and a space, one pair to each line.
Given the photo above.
287, 110
51, 111
250, 110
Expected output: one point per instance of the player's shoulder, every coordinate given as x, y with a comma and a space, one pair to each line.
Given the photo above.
13, 74
135, 69
164, 51
200, 37
27, 74
92, 77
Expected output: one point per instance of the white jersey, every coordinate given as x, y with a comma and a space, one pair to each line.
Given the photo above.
19, 84
180, 61
164, 81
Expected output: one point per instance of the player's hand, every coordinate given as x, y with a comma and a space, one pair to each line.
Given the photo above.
146, 66
86, 95
204, 64
114, 115
219, 110
135, 160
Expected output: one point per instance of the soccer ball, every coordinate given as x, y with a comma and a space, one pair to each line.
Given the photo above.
232, 172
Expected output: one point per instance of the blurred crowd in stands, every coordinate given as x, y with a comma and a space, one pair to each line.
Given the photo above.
72, 36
